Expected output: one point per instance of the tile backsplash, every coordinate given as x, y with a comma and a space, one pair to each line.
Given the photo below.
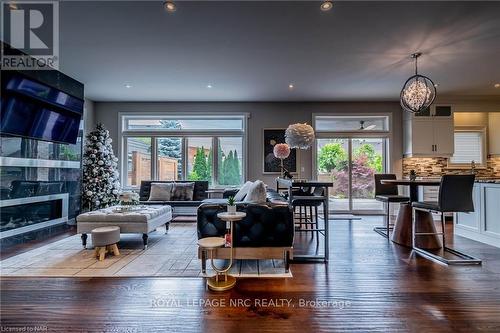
438, 166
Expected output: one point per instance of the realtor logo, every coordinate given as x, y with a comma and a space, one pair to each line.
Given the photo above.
31, 27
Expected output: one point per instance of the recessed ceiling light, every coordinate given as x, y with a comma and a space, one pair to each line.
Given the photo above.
291, 86
128, 86
170, 6
326, 6
209, 86
497, 85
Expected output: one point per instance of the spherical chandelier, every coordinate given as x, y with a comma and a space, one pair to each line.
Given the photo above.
418, 92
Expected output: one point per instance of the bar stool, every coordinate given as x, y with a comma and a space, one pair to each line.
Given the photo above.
299, 210
308, 218
387, 193
455, 196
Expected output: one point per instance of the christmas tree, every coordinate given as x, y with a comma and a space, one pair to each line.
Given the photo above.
100, 177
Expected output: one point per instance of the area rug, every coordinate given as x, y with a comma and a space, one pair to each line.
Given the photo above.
168, 255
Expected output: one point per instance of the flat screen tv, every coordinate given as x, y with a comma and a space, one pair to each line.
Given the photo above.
32, 109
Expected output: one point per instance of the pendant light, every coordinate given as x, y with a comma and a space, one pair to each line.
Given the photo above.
418, 92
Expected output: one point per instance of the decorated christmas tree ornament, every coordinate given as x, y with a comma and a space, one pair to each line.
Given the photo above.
101, 185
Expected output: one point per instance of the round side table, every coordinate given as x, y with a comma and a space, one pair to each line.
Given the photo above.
222, 280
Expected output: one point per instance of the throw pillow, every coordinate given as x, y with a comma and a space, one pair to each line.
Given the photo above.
160, 191
183, 192
240, 195
256, 192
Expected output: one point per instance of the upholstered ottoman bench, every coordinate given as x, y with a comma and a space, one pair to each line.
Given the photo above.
142, 220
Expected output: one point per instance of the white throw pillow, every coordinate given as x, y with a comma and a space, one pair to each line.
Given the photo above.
257, 192
160, 191
240, 195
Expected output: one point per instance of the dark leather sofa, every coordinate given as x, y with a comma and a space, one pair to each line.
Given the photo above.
266, 232
199, 193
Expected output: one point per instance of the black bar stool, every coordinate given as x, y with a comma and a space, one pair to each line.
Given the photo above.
300, 211
387, 193
455, 195
310, 205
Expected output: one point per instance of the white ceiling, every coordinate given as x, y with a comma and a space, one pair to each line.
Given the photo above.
251, 51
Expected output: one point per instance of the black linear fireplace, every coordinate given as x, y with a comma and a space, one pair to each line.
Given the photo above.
26, 213
39, 187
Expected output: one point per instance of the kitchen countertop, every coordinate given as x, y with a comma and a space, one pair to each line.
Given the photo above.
478, 180
489, 181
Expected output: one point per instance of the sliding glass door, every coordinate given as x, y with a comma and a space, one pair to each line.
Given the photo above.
350, 164
367, 159
349, 151
333, 164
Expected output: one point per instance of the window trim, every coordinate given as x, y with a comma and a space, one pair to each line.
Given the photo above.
172, 116
387, 116
123, 134
475, 129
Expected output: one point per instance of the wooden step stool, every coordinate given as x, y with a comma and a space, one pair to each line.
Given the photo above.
105, 240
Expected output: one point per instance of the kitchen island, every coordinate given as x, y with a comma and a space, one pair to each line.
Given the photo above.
482, 225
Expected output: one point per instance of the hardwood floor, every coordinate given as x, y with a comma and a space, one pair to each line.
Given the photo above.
370, 284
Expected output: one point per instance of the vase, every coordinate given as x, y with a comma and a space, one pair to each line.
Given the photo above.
231, 209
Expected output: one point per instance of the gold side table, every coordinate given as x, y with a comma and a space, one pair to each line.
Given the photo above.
222, 280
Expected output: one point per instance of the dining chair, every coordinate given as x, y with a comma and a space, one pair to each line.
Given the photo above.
387, 193
455, 196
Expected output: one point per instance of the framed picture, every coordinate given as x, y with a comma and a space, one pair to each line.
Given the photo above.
272, 165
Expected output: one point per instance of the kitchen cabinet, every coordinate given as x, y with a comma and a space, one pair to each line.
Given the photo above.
482, 225
471, 221
429, 137
491, 208
494, 133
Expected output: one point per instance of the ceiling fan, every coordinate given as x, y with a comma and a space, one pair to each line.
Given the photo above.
367, 128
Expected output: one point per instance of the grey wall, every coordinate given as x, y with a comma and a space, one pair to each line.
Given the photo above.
89, 116
262, 115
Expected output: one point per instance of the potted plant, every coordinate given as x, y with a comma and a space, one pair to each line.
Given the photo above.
231, 207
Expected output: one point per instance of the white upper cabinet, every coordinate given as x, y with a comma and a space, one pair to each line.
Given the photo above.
419, 137
494, 133
444, 137
429, 136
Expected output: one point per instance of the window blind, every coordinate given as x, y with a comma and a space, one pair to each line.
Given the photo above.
468, 148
